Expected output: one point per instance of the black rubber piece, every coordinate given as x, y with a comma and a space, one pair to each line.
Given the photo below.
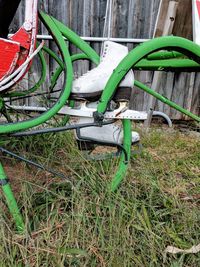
86, 96
122, 94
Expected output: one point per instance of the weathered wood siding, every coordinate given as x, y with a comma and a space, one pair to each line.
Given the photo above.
131, 19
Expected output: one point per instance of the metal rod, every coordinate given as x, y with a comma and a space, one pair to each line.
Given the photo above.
96, 39
40, 166
60, 129
101, 39
163, 115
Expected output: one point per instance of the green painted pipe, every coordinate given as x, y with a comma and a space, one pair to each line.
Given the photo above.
166, 101
11, 127
77, 41
18, 126
164, 55
121, 172
37, 85
171, 43
168, 64
53, 55
11, 202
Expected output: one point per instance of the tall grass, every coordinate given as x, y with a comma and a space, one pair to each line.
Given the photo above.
80, 223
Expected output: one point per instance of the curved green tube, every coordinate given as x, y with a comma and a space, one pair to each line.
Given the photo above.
77, 41
11, 202
18, 126
171, 43
119, 176
37, 85
164, 55
168, 64
52, 54
79, 57
57, 73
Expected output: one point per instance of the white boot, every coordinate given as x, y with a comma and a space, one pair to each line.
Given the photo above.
109, 133
93, 82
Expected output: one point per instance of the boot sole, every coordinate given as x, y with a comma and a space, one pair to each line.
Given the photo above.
122, 94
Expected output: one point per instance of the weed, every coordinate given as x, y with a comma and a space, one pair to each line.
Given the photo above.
85, 225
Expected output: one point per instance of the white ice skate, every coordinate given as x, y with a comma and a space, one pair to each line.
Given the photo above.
90, 85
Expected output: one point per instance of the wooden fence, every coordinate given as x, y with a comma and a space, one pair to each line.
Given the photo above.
131, 19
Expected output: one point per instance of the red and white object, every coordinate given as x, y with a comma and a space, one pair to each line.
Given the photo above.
9, 55
196, 21
16, 53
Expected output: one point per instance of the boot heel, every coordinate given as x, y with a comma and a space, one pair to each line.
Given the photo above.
122, 94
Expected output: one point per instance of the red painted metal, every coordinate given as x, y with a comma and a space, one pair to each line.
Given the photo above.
15, 52
22, 44
9, 55
24, 38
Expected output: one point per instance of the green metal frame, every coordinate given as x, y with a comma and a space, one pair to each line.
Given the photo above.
36, 85
137, 54
146, 56
166, 100
11, 201
66, 64
130, 61
18, 126
168, 65
12, 127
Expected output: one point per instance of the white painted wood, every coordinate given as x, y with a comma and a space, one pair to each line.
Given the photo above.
196, 20
167, 30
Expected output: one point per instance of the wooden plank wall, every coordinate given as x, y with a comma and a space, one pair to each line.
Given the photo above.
131, 19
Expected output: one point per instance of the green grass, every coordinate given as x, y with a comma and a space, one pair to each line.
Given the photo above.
80, 223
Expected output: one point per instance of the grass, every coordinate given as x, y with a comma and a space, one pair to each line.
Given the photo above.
80, 223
